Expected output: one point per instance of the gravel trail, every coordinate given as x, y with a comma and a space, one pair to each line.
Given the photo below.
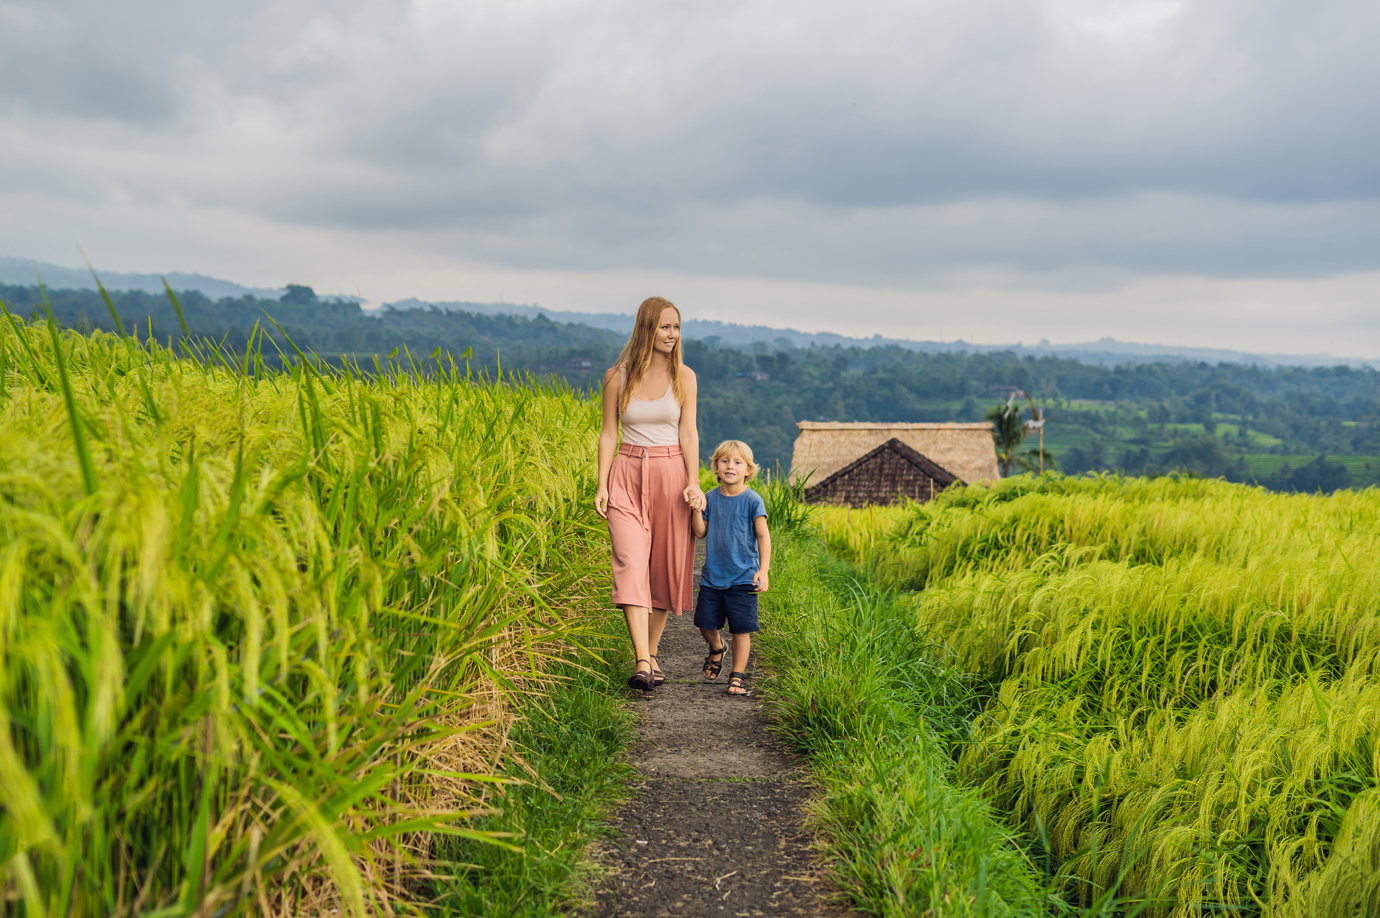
715, 826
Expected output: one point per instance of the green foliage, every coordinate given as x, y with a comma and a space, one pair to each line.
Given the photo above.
1008, 433
1134, 417
569, 738
1186, 680
258, 639
868, 697
787, 511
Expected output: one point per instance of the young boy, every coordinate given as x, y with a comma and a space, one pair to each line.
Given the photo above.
737, 559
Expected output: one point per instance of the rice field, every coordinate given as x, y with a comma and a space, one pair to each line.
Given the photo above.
1184, 703
852, 534
261, 631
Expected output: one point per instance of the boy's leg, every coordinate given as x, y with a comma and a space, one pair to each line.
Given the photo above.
742, 649
710, 615
742, 622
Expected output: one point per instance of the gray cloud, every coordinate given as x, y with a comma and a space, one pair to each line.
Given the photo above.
840, 142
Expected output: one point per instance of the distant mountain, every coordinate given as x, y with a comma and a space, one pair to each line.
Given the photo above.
21, 272
1103, 352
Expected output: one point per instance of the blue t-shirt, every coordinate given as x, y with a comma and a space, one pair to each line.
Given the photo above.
730, 539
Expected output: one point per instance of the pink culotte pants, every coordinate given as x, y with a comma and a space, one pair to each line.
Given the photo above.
649, 525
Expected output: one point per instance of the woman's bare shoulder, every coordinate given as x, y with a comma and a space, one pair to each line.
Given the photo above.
613, 374
689, 373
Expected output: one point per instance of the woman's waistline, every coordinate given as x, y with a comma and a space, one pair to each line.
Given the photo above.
649, 452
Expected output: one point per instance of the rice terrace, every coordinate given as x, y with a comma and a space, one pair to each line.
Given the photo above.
292, 637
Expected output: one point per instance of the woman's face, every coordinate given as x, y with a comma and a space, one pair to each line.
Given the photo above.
667, 332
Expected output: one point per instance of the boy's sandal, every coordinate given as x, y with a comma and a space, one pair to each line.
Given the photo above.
640, 680
711, 667
658, 676
737, 684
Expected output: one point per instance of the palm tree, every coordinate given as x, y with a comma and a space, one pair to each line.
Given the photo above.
1008, 432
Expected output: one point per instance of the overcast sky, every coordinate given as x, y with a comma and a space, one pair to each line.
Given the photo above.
1189, 172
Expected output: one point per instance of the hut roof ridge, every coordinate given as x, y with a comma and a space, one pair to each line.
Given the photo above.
965, 449
882, 425
906, 452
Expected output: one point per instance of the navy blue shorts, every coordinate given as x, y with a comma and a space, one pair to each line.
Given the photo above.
737, 605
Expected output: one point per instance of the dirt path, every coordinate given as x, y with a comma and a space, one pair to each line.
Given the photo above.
716, 825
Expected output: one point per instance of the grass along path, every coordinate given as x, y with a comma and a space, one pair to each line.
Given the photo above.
716, 825
568, 767
867, 696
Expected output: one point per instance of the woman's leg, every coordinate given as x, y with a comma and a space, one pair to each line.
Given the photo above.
655, 626
639, 629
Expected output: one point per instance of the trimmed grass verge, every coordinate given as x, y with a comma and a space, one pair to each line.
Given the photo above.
571, 735
856, 686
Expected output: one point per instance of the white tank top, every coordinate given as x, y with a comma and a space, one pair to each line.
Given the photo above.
652, 423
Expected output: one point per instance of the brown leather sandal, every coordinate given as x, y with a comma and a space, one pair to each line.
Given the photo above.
640, 680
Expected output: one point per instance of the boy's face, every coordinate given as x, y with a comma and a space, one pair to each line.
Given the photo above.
731, 469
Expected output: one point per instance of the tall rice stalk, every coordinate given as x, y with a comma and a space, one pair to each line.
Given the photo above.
1187, 696
255, 645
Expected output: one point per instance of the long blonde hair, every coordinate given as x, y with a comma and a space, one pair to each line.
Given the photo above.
636, 356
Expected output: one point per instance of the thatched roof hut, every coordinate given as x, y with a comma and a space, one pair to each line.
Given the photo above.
965, 450
883, 476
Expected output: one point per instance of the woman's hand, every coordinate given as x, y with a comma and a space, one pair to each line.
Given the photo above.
601, 502
695, 498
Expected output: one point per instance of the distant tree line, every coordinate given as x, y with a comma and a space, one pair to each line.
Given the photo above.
758, 393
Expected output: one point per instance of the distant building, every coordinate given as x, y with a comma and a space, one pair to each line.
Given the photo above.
883, 476
758, 376
963, 451
579, 365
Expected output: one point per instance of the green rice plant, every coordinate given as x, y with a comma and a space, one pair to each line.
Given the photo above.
785, 503
567, 773
852, 534
1185, 682
856, 686
260, 636
1143, 521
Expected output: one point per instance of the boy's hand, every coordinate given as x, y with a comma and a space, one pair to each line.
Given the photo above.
759, 581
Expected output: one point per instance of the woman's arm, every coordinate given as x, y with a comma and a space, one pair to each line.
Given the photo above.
690, 440
608, 438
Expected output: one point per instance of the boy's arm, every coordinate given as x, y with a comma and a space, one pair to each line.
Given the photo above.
697, 523
760, 580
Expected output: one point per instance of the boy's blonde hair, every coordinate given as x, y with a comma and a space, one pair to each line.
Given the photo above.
729, 447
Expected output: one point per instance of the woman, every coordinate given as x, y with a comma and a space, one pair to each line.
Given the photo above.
649, 483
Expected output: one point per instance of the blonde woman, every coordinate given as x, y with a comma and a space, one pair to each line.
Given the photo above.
649, 483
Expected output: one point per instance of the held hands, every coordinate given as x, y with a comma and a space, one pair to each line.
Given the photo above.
759, 581
693, 496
